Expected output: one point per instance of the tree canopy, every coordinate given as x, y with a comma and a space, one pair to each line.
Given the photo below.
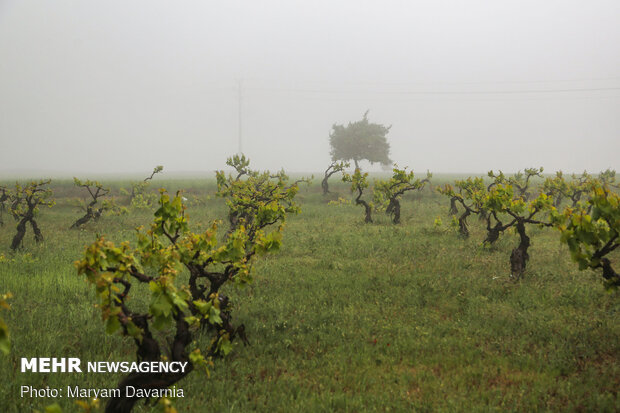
360, 140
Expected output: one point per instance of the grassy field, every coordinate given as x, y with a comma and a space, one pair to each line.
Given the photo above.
346, 317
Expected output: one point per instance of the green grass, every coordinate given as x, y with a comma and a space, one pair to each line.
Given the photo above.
346, 317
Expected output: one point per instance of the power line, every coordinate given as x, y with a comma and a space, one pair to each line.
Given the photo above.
495, 82
440, 82
489, 98
434, 92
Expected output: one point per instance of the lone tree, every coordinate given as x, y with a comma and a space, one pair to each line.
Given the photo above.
360, 140
25, 203
387, 194
358, 184
592, 230
91, 210
332, 169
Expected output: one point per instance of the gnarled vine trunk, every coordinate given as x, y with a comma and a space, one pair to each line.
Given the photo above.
368, 209
38, 236
611, 276
519, 256
493, 233
18, 239
199, 292
80, 221
368, 217
453, 209
148, 350
463, 230
325, 185
91, 213
393, 209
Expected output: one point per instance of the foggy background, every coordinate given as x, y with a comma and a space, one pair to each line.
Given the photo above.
468, 86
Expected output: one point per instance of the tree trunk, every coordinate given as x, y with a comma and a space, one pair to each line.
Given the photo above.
81, 221
396, 212
463, 230
360, 201
149, 351
325, 185
97, 214
19, 237
612, 278
493, 233
368, 209
38, 236
88, 216
453, 209
519, 256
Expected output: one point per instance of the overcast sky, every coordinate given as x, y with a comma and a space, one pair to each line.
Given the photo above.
468, 86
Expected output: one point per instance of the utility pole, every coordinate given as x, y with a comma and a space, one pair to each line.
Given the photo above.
239, 114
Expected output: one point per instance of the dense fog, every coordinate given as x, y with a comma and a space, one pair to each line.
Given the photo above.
468, 86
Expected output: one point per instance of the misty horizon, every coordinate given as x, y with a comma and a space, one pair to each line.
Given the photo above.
467, 86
